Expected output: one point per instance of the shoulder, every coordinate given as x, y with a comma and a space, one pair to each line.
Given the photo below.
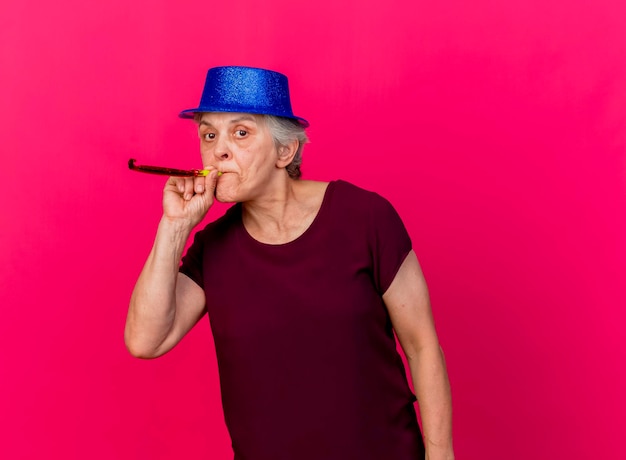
349, 188
357, 197
349, 206
221, 227
377, 211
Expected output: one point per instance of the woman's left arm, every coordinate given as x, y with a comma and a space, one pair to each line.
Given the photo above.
408, 304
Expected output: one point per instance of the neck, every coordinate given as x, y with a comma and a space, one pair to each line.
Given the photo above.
272, 210
284, 214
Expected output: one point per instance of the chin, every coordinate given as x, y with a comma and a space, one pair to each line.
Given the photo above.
225, 200
225, 196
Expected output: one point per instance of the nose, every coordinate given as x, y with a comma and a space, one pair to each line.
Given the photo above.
222, 149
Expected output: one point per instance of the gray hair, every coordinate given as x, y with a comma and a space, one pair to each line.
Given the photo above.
284, 131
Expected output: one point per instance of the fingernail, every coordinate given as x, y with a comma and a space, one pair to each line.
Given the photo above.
199, 188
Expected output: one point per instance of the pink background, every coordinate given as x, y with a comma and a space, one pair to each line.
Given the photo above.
498, 129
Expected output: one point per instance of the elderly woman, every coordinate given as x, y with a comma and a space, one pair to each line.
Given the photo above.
304, 283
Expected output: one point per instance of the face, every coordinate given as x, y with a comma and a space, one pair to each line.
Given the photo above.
241, 147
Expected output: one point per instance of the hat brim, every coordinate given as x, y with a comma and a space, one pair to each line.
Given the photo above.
190, 113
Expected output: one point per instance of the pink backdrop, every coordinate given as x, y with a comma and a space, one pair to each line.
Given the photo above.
498, 129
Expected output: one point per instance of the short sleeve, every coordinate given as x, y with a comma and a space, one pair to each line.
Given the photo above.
192, 261
390, 242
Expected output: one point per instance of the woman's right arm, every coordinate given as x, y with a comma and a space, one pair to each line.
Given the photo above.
166, 304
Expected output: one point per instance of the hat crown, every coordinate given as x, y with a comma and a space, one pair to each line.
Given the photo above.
247, 90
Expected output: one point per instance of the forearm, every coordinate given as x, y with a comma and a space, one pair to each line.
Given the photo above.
432, 388
152, 309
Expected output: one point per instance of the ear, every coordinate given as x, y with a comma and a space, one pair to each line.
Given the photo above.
286, 153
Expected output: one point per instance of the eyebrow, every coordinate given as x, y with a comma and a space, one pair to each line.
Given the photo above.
233, 121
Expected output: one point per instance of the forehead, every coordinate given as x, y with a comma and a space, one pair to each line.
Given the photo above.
229, 118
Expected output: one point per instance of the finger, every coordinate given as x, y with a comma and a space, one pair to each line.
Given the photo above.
174, 184
188, 188
208, 189
211, 183
199, 184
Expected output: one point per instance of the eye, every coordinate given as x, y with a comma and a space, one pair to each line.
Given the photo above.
208, 136
241, 133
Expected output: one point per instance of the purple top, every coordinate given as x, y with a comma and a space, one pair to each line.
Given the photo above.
306, 352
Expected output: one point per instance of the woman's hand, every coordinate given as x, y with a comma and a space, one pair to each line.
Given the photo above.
188, 199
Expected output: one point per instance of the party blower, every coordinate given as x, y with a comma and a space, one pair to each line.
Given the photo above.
168, 171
